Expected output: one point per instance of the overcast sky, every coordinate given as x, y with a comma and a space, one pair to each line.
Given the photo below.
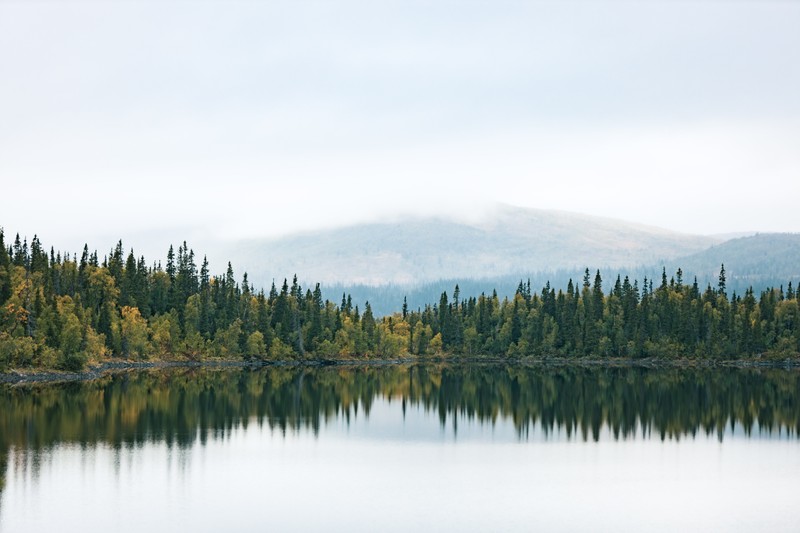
238, 119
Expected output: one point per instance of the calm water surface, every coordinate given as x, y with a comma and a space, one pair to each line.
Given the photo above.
441, 448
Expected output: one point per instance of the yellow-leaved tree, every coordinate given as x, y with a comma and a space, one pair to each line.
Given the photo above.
134, 333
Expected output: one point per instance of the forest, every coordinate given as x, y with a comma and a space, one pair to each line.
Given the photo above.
62, 311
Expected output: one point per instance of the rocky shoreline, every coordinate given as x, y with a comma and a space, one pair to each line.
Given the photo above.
110, 367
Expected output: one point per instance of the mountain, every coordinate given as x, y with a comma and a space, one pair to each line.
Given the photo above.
507, 241
760, 261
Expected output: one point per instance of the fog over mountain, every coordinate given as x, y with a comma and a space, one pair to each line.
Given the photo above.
762, 261
507, 240
421, 257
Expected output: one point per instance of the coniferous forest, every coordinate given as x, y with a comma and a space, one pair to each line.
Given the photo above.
64, 311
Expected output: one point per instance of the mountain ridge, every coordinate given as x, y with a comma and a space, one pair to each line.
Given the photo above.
760, 261
422, 249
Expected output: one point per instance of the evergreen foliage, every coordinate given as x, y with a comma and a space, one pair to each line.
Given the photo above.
60, 312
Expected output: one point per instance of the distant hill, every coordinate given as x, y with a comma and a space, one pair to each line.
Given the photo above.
759, 261
508, 241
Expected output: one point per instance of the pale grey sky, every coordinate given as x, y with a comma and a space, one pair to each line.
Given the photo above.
246, 118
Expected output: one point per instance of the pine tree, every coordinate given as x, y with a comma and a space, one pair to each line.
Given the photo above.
19, 255
5, 272
368, 326
171, 264
39, 262
204, 274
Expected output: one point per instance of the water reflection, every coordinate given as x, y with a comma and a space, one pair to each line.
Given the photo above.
181, 406
147, 425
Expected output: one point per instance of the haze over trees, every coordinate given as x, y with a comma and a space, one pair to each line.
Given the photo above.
761, 260
63, 311
421, 257
504, 241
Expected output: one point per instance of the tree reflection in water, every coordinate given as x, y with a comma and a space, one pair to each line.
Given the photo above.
184, 406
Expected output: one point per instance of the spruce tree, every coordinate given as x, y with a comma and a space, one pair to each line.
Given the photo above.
5, 272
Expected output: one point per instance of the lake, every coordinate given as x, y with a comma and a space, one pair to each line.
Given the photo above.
404, 447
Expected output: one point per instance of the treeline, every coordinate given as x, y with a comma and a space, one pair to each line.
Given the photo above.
384, 298
61, 311
671, 319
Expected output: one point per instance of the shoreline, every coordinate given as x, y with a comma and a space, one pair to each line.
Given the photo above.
17, 376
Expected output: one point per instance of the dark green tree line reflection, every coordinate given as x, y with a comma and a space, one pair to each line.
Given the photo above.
184, 406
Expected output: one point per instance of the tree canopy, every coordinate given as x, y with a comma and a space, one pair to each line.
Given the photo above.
61, 311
